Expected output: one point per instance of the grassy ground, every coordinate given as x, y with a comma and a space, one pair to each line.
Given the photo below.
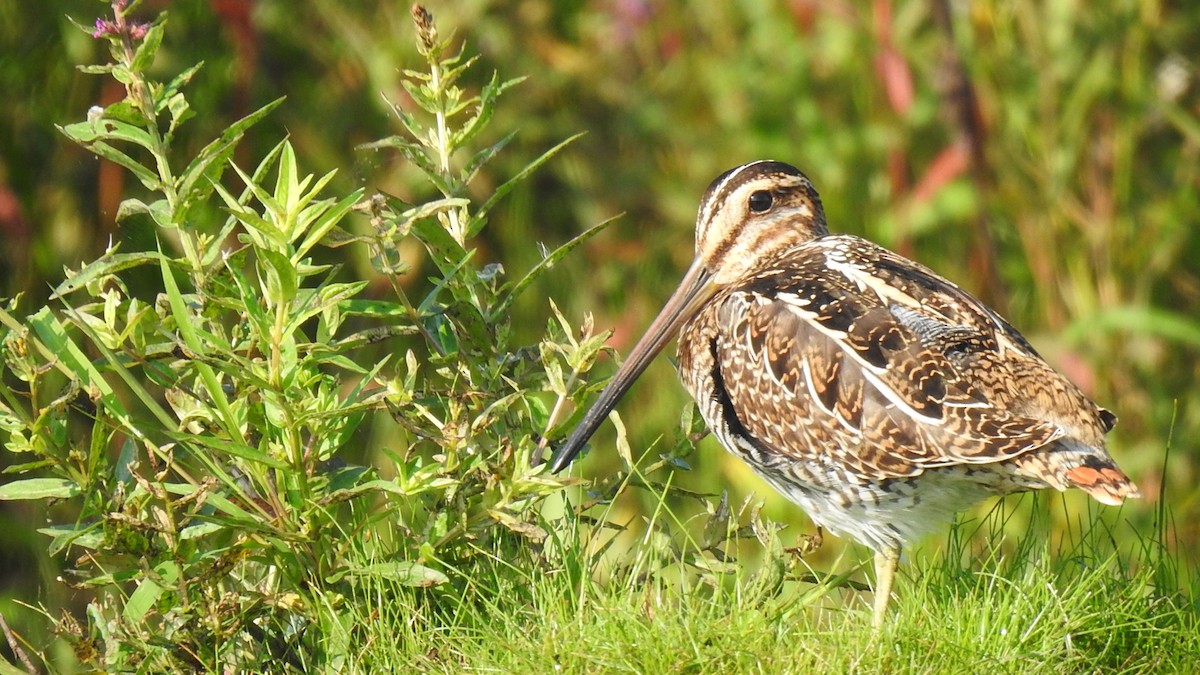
972, 601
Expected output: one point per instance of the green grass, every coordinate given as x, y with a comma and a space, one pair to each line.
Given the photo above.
978, 601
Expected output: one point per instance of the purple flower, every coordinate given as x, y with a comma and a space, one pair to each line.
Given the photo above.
104, 28
136, 30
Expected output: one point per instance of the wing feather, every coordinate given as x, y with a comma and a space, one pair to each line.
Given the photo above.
884, 381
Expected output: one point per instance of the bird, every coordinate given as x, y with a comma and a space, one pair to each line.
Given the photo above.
867, 389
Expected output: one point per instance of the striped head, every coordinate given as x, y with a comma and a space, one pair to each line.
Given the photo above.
752, 211
747, 214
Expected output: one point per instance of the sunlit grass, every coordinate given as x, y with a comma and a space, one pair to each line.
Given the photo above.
977, 598
964, 604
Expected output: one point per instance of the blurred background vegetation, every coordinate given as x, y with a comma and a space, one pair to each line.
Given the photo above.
1043, 154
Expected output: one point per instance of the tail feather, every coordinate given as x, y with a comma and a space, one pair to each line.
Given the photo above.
1107, 484
1070, 463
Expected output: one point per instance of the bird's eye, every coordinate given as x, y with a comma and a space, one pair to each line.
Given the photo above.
761, 201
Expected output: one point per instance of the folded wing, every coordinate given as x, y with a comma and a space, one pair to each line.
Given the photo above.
842, 349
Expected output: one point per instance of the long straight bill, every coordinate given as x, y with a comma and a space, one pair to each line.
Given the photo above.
695, 289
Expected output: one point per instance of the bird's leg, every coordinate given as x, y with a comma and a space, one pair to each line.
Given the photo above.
885, 573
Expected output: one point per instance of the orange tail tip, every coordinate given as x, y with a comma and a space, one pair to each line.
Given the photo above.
1107, 485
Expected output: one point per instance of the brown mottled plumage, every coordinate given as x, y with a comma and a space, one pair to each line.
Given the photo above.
875, 394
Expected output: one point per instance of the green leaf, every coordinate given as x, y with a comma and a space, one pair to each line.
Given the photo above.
342, 362
196, 182
143, 58
183, 323
422, 95
508, 185
479, 159
418, 155
7, 668
109, 264
74, 362
287, 188
135, 385
159, 210
105, 69
107, 129
84, 134
545, 264
447, 254
199, 530
149, 591
278, 275
454, 67
181, 111
273, 206
38, 488
404, 573
623, 448
251, 299
521, 527
487, 106
375, 309
329, 295
178, 82
323, 224
225, 446
74, 534
461, 312
260, 232
124, 111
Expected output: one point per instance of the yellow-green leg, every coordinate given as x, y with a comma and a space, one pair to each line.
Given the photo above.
885, 573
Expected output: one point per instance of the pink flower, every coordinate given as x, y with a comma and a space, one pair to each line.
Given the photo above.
104, 28
134, 29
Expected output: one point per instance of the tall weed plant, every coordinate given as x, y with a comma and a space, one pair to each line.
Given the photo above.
193, 412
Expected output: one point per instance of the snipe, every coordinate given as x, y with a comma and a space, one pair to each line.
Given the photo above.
873, 393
